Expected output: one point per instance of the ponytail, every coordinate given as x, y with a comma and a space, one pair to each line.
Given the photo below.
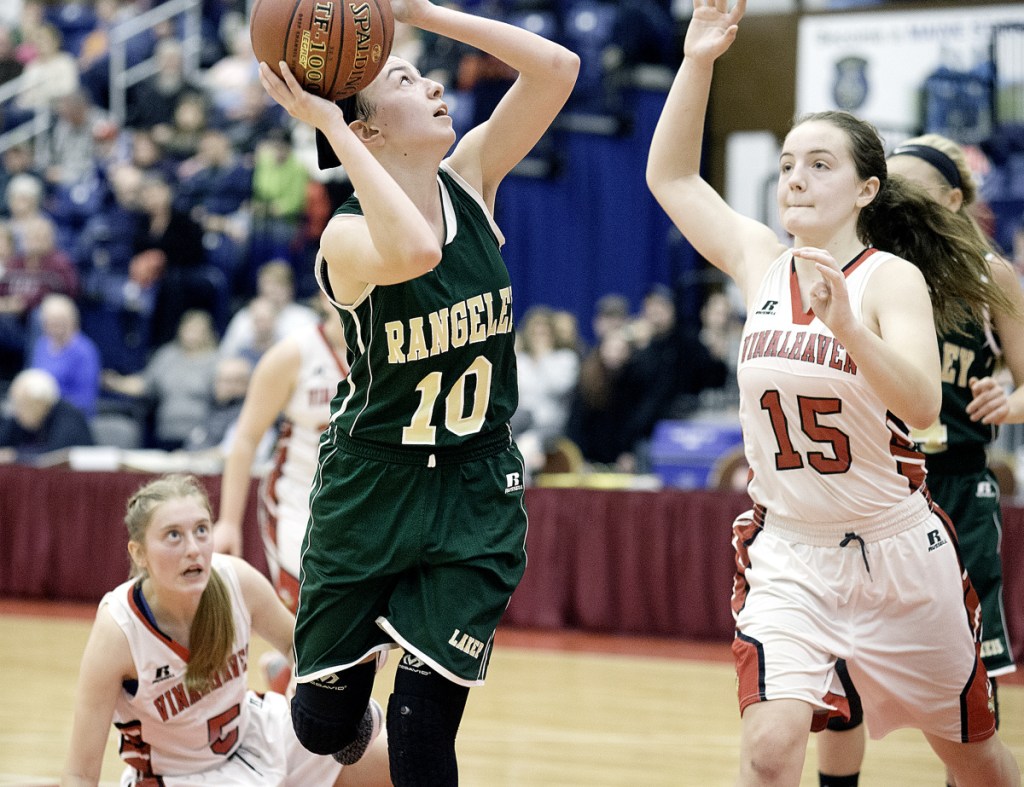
212, 635
945, 246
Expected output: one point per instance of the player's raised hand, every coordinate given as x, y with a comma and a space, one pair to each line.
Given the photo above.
712, 28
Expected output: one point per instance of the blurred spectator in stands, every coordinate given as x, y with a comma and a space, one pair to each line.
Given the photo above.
600, 409
230, 382
12, 318
611, 313
16, 160
31, 17
52, 73
547, 379
319, 208
154, 99
149, 156
665, 374
279, 184
275, 283
214, 187
10, 66
567, 332
94, 53
263, 315
105, 245
70, 151
37, 420
95, 44
40, 268
180, 140
720, 332
114, 144
256, 116
24, 197
179, 266
221, 14
177, 380
117, 309
65, 352
597, 412
227, 80
485, 78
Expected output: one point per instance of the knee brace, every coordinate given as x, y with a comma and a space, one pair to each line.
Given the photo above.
423, 719
837, 723
995, 699
327, 712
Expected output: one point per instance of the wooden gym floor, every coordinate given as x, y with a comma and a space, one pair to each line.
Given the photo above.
559, 710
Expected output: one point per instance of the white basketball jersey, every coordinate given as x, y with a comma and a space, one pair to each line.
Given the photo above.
165, 728
306, 415
821, 444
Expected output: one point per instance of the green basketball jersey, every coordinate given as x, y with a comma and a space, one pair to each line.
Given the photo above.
433, 359
963, 356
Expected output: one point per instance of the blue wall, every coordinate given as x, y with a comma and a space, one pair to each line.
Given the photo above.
594, 228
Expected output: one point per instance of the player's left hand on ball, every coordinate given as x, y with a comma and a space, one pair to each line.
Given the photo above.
302, 105
990, 404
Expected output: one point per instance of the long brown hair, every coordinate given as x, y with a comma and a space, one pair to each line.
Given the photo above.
903, 219
212, 633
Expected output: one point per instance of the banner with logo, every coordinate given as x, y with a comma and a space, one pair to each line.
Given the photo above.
876, 64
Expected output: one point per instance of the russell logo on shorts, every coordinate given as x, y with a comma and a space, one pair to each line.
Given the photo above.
513, 483
986, 490
935, 540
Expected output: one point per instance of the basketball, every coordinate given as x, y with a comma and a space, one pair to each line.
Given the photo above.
333, 48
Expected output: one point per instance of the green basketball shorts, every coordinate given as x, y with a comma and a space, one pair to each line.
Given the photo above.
972, 502
410, 548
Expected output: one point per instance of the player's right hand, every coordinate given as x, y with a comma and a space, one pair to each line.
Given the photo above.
284, 88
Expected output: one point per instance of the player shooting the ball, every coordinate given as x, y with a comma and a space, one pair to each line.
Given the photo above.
417, 526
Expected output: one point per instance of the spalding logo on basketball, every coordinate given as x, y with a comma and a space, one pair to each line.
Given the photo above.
333, 48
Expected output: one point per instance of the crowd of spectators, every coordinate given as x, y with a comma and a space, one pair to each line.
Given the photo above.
642, 368
606, 398
145, 267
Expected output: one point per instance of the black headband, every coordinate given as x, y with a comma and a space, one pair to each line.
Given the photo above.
943, 163
326, 158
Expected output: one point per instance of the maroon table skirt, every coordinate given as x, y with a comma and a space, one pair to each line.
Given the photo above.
646, 563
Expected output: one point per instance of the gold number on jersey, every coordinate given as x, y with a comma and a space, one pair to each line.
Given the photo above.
421, 431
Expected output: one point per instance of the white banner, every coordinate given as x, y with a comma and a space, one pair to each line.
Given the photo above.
875, 64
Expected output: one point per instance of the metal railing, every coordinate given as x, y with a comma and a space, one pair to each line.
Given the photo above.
123, 77
28, 130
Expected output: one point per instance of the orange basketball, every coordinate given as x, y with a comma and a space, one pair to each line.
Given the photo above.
333, 48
